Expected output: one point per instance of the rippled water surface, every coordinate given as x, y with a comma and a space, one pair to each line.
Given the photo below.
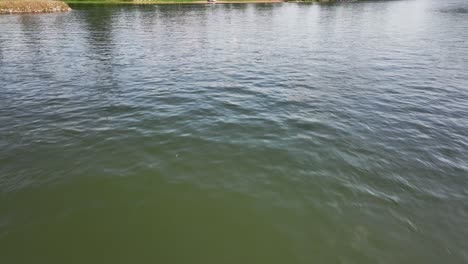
286, 133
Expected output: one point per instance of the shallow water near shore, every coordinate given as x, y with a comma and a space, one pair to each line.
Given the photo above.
258, 133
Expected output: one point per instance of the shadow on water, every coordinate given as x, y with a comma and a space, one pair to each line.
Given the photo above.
455, 10
32, 29
98, 21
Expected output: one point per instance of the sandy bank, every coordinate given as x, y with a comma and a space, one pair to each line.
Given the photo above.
32, 6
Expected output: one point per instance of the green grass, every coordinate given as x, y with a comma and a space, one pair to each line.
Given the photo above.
142, 2
158, 1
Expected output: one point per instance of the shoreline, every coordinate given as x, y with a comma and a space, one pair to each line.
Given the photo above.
32, 6
181, 2
53, 6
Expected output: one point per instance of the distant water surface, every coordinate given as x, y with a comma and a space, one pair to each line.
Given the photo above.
257, 133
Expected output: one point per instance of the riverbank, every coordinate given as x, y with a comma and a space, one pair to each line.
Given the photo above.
143, 2
49, 6
32, 6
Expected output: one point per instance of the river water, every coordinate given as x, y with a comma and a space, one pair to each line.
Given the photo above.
257, 133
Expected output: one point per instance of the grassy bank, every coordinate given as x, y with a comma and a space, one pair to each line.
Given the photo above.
185, 1
32, 6
166, 1
48, 6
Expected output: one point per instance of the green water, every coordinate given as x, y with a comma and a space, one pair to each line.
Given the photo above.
286, 133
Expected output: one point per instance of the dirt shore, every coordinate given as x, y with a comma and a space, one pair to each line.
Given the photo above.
32, 6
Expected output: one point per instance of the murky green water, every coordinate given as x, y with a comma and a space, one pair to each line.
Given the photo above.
236, 134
